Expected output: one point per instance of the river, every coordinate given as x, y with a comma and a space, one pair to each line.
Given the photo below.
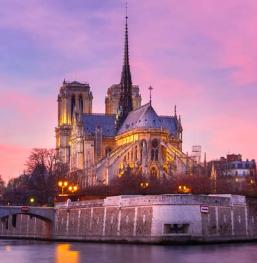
13, 251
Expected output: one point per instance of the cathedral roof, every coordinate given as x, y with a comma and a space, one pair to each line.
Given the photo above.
170, 123
143, 117
146, 117
105, 122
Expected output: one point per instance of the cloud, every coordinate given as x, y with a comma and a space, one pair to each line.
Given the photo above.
200, 55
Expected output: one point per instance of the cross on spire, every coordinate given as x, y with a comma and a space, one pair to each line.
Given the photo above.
126, 8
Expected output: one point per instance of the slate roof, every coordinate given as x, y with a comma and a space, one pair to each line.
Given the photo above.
105, 122
143, 117
146, 117
169, 123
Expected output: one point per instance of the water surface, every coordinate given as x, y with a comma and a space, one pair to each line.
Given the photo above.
13, 251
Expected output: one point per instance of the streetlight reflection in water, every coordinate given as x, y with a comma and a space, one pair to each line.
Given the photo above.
64, 254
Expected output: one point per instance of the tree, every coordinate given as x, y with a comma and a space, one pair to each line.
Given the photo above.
2, 186
43, 169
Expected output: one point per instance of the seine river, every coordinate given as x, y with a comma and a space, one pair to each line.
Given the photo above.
38, 252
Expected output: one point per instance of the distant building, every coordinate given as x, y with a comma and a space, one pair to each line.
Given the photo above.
233, 165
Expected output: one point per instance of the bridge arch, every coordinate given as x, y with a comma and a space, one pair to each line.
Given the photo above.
26, 222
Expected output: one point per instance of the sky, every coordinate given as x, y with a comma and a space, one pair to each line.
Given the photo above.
200, 55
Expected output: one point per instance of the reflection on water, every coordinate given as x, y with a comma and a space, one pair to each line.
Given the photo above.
64, 254
21, 251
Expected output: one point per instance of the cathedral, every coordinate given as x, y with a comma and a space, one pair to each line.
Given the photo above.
101, 146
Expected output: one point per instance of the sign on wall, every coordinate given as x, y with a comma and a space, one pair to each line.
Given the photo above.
204, 209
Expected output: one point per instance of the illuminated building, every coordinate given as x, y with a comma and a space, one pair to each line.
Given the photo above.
99, 147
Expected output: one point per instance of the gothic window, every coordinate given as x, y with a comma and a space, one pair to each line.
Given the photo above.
81, 104
107, 150
73, 103
143, 149
155, 150
153, 172
136, 153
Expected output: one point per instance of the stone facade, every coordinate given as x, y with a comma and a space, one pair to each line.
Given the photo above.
129, 136
166, 218
113, 97
150, 219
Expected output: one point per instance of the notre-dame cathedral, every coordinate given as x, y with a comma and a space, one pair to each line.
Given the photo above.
100, 146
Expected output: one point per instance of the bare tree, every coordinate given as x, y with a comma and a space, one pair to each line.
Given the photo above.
43, 169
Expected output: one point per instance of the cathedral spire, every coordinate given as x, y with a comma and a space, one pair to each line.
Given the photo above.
126, 75
125, 103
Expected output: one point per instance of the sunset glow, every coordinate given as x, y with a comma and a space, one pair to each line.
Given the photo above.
199, 55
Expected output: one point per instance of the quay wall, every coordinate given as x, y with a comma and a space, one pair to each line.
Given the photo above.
145, 219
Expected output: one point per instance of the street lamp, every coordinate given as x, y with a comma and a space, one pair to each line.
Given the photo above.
73, 188
184, 189
32, 200
62, 185
144, 185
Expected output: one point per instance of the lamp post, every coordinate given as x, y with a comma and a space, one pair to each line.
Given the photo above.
144, 185
31, 200
184, 189
73, 188
62, 185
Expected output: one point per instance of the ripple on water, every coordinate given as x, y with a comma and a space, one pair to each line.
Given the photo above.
22, 251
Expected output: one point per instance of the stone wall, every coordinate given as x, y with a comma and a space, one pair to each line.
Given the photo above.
22, 225
163, 218
108, 223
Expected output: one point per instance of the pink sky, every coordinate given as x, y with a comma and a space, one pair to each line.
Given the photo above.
198, 54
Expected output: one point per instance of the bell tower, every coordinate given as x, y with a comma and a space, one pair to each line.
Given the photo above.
73, 96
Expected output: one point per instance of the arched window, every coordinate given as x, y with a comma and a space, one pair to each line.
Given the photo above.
135, 153
73, 103
143, 149
107, 150
153, 172
81, 103
155, 150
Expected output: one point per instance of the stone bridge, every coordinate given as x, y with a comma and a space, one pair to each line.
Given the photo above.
27, 222
44, 213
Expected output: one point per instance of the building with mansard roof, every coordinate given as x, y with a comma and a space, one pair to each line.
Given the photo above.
99, 147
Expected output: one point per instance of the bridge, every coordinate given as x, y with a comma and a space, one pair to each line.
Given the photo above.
26, 222
44, 213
